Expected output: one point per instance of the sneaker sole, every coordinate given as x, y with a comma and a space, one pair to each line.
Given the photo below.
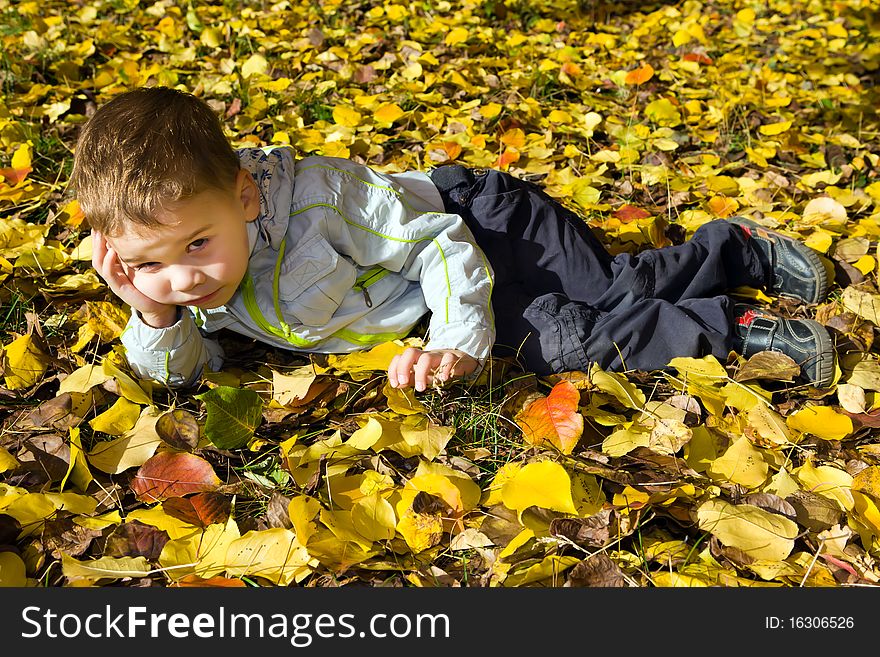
824, 355
809, 254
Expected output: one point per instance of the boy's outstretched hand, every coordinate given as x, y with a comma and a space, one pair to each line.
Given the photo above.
423, 368
106, 262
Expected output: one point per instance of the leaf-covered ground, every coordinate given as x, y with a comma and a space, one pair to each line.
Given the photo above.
647, 119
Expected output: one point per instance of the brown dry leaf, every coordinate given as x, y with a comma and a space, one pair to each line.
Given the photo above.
554, 419
179, 429
173, 474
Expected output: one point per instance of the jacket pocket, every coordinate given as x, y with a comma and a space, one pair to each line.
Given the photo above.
313, 282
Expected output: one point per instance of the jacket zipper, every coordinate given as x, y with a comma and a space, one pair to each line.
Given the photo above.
368, 278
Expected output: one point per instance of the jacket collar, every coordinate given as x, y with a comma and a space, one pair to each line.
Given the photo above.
272, 169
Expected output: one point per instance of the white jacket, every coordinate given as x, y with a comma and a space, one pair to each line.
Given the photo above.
342, 258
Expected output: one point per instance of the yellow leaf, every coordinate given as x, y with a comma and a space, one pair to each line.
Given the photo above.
420, 530
707, 367
388, 113
771, 129
376, 359
866, 264
254, 65
22, 158
104, 568
126, 386
819, 240
12, 570
31, 509
663, 112
742, 464
867, 481
211, 37
25, 363
83, 379
156, 517
455, 36
7, 461
292, 387
758, 533
827, 480
202, 552
544, 484
117, 419
768, 428
617, 384
272, 554
863, 303
468, 492
78, 468
346, 116
302, 510
132, 449
373, 517
549, 567
722, 206
821, 421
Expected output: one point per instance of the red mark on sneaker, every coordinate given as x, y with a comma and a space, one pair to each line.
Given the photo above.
747, 318
747, 231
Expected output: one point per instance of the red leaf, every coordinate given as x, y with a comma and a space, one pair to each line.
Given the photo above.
173, 474
201, 509
697, 57
554, 419
627, 213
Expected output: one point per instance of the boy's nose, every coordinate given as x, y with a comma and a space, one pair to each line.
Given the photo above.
184, 279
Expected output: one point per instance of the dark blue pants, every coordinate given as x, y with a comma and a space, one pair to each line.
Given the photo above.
562, 302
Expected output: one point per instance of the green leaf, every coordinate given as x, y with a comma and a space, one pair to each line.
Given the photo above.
233, 415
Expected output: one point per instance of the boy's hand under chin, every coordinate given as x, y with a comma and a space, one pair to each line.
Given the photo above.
423, 368
106, 262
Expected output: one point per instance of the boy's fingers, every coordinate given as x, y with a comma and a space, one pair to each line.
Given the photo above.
404, 367
423, 368
446, 369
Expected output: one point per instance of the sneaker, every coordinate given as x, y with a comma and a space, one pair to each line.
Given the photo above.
796, 270
806, 341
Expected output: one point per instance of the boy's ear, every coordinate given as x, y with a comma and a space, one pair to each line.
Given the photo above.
248, 194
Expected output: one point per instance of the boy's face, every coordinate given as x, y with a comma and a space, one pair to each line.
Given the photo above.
199, 254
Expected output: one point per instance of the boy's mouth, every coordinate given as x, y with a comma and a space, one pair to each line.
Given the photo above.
202, 300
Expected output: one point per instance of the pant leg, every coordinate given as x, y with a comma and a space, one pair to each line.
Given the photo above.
651, 332
715, 260
531, 241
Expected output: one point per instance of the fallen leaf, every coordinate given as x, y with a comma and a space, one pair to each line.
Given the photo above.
173, 474
554, 419
233, 415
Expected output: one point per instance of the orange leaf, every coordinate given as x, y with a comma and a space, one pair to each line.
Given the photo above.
628, 213
722, 206
640, 75
698, 57
173, 474
452, 149
554, 419
211, 582
201, 509
508, 157
15, 176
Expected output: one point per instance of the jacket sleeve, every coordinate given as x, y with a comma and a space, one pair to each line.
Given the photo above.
175, 355
384, 223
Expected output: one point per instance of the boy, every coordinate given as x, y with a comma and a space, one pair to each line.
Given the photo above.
325, 255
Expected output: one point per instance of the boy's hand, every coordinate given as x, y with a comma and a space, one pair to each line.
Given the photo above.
423, 368
109, 267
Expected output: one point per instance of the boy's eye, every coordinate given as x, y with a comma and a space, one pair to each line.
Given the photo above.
146, 266
199, 243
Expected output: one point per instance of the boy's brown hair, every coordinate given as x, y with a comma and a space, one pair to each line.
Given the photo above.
144, 150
